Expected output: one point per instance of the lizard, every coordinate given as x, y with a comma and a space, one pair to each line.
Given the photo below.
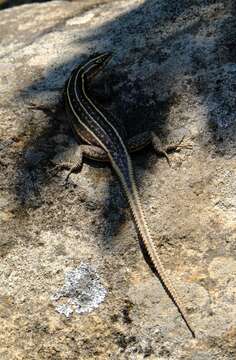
105, 139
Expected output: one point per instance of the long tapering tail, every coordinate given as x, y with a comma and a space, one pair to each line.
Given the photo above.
138, 214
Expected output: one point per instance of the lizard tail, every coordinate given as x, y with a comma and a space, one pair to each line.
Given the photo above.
138, 214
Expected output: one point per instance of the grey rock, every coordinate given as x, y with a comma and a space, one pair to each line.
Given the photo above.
173, 70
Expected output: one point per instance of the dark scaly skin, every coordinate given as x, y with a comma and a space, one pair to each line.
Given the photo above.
107, 140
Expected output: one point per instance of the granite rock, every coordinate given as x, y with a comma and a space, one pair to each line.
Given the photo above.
173, 70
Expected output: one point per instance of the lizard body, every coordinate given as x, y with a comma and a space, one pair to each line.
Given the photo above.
106, 140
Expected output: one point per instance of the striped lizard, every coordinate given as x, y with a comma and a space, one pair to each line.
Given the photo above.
105, 139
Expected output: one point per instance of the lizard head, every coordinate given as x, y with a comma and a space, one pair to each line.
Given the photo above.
97, 63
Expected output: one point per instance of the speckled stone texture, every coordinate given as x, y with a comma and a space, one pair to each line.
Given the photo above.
173, 69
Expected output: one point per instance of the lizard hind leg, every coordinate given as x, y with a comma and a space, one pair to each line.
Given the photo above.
163, 150
90, 151
75, 165
139, 141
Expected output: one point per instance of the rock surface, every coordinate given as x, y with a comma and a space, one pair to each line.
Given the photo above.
173, 69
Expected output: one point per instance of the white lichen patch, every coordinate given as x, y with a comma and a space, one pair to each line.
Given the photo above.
82, 291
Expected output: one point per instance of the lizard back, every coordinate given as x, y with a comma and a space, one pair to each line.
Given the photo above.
89, 122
